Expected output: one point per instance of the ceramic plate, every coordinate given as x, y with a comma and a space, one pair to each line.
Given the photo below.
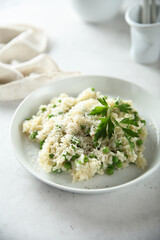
26, 151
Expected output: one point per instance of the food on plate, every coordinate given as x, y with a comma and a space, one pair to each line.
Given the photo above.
87, 135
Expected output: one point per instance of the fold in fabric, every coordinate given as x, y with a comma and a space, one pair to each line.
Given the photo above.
23, 65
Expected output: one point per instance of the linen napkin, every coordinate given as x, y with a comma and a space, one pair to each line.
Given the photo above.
23, 65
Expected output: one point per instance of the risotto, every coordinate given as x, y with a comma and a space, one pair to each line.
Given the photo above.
88, 135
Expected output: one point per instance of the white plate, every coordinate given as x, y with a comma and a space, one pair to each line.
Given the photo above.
26, 151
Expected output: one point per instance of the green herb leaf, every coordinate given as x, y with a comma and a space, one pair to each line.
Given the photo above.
124, 107
130, 121
103, 102
54, 106
110, 128
93, 89
99, 110
101, 130
130, 132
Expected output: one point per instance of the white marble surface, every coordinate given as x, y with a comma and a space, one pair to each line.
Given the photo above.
31, 210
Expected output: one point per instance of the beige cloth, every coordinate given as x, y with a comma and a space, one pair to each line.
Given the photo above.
23, 66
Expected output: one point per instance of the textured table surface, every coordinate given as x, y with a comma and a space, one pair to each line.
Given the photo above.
30, 209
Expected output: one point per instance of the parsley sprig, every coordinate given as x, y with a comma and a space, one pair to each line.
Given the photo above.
108, 123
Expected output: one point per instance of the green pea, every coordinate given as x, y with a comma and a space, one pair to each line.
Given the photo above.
51, 155
106, 150
118, 164
115, 159
75, 157
139, 142
33, 135
83, 127
109, 171
92, 155
43, 109
85, 159
67, 165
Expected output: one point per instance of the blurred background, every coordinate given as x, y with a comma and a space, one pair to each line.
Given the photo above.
91, 48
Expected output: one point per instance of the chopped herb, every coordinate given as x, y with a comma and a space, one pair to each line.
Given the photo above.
76, 141
118, 143
27, 119
88, 131
33, 135
65, 155
118, 101
109, 171
51, 155
83, 127
92, 155
144, 122
93, 89
96, 144
118, 164
106, 150
60, 100
67, 165
55, 170
60, 113
78, 162
74, 148
140, 131
139, 142
58, 126
101, 166
115, 159
50, 115
54, 106
43, 109
41, 144
85, 159
75, 157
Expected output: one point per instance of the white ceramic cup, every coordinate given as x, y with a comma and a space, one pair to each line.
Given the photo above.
145, 38
96, 10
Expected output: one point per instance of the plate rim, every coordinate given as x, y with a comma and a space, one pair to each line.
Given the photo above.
79, 190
